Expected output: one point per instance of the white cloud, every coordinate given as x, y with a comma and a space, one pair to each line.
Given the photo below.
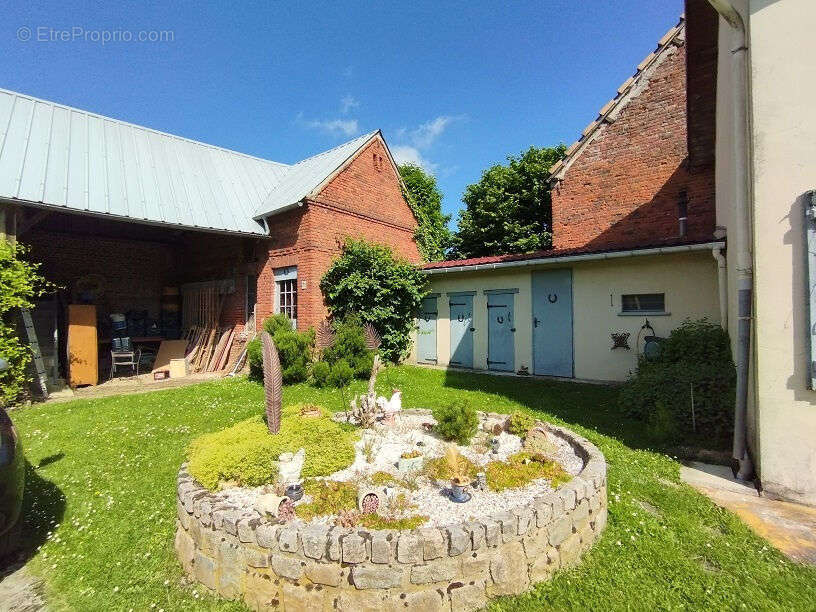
348, 102
425, 135
405, 154
344, 127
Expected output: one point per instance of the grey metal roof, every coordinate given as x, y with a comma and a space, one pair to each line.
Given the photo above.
306, 176
56, 156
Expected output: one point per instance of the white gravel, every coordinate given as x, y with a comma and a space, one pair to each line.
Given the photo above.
384, 446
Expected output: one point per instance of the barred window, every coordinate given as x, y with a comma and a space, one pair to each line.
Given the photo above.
287, 298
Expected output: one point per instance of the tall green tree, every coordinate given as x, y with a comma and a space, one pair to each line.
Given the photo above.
509, 210
434, 238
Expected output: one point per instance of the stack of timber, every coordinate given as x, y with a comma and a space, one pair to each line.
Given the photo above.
208, 345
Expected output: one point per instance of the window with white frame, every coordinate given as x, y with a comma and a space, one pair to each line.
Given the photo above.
286, 292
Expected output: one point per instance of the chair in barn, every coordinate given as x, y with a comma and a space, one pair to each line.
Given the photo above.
123, 355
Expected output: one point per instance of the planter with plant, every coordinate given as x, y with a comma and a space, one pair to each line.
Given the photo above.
459, 469
410, 461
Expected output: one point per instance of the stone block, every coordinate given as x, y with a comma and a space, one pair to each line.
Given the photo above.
185, 548
231, 521
536, 542
440, 570
183, 516
560, 530
324, 573
267, 535
424, 601
230, 577
544, 564
333, 551
458, 540
261, 591
523, 518
204, 570
376, 577
286, 566
600, 521
543, 507
477, 534
476, 565
297, 597
570, 550
289, 539
508, 570
467, 597
580, 516
360, 601
246, 529
433, 544
381, 547
315, 540
595, 502
255, 557
354, 548
567, 495
409, 548
492, 532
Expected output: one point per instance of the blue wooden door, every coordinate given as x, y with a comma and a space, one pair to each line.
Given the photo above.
461, 330
426, 334
501, 329
552, 323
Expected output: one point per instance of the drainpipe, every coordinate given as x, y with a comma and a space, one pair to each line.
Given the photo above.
722, 285
739, 72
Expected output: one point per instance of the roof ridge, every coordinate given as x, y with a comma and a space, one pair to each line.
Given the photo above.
665, 42
340, 146
140, 127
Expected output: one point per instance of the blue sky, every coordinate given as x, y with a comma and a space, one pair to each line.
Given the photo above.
456, 87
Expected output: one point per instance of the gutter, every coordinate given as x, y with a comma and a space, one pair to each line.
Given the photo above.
742, 225
708, 246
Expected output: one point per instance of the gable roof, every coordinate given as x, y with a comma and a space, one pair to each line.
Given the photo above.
65, 158
307, 176
628, 90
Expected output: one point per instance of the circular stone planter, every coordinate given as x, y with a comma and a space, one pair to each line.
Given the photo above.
295, 566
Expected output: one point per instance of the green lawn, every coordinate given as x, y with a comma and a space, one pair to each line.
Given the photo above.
101, 501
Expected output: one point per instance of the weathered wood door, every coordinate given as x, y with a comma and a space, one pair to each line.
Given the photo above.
426, 334
552, 323
501, 329
461, 330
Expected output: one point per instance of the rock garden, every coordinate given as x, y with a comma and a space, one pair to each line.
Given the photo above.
375, 505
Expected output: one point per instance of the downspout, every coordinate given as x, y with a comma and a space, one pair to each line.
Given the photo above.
742, 234
722, 285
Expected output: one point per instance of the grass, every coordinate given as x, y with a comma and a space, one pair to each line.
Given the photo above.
101, 501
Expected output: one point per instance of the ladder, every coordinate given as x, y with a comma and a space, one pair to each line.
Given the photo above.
35, 351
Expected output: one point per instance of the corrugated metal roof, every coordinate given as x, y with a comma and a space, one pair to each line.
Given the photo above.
58, 156
306, 176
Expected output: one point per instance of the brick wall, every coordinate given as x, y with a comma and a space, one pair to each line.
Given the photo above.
363, 201
623, 189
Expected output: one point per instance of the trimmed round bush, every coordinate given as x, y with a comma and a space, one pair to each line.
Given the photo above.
456, 422
520, 423
246, 453
294, 349
320, 373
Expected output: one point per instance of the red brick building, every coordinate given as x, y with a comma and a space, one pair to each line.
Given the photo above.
120, 215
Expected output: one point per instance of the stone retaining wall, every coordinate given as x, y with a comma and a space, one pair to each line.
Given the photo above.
235, 553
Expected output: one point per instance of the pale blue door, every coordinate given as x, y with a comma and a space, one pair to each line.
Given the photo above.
426, 334
501, 329
552, 323
461, 330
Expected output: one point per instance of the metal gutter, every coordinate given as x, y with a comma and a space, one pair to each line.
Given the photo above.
686, 248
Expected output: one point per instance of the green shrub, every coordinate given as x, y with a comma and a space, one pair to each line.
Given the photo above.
328, 497
350, 345
696, 355
246, 452
320, 373
456, 421
294, 349
520, 423
368, 281
20, 283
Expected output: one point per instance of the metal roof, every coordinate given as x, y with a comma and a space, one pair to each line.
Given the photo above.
61, 157
306, 176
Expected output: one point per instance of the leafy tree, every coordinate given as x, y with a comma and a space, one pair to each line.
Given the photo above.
20, 283
509, 210
432, 234
369, 282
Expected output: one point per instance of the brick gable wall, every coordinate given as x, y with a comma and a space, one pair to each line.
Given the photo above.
364, 200
623, 189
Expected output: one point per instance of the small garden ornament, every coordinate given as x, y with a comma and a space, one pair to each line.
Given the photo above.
390, 407
458, 470
273, 382
368, 499
364, 407
275, 506
410, 461
290, 466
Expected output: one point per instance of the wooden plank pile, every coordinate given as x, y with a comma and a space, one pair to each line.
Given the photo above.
208, 345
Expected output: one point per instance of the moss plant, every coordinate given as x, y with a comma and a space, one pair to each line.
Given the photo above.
384, 479
520, 423
521, 469
246, 452
328, 497
375, 521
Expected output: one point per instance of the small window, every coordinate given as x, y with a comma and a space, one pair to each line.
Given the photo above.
286, 292
643, 302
